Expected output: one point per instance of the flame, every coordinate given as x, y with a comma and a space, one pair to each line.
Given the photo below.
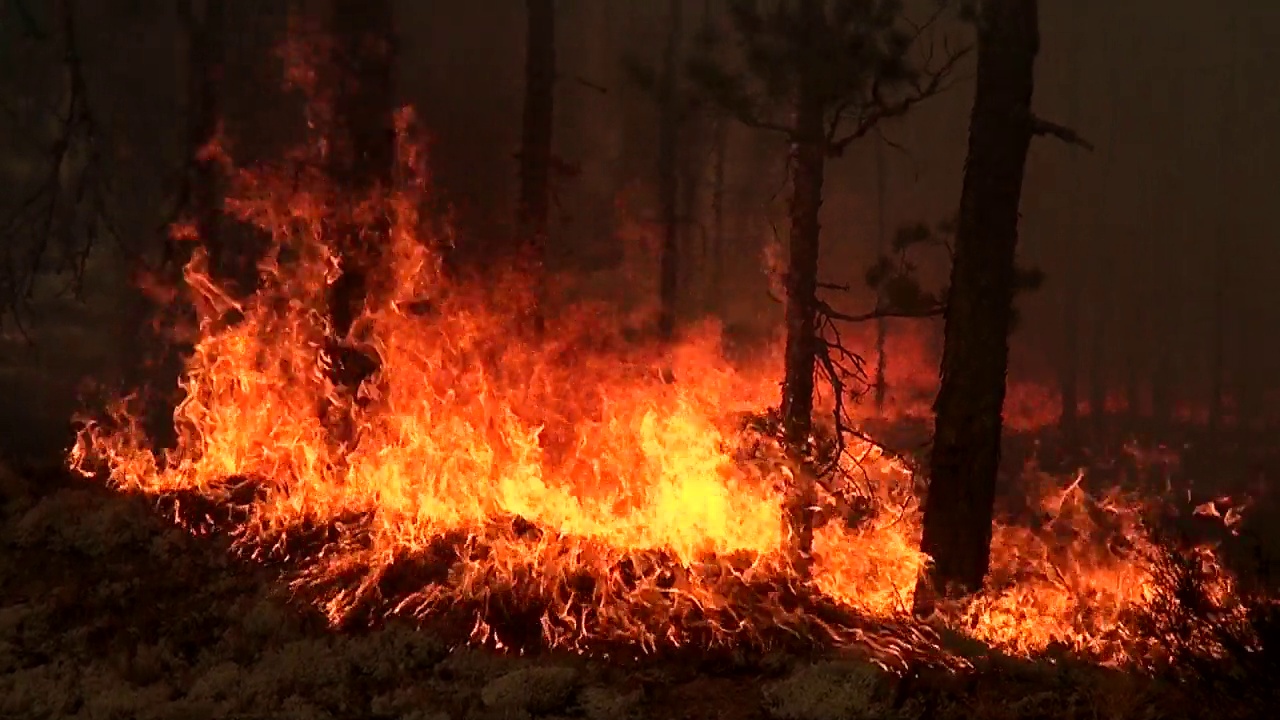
571, 470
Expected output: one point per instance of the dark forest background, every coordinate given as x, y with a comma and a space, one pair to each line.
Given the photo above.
1158, 248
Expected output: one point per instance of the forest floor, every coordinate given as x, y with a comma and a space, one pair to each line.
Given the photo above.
110, 612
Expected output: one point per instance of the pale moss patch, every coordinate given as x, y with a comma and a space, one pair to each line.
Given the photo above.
79, 521
602, 703
835, 690
537, 690
43, 691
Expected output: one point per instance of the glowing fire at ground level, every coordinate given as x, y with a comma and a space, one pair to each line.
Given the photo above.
563, 479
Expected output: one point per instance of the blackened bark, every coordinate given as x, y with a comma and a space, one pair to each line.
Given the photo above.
363, 160
959, 507
808, 159
534, 212
668, 175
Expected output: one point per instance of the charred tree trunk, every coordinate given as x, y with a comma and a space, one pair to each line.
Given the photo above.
881, 384
668, 175
363, 161
808, 165
534, 211
959, 507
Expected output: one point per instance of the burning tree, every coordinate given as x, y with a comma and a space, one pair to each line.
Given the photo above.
823, 73
959, 506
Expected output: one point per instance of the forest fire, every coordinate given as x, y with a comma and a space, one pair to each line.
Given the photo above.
603, 490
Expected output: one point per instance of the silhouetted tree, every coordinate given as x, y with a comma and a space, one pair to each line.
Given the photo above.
959, 506
536, 129
823, 73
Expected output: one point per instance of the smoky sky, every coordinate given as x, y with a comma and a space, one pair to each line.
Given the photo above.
1136, 238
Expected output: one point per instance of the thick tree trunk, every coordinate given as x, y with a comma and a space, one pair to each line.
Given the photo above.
363, 160
668, 175
534, 211
808, 165
959, 506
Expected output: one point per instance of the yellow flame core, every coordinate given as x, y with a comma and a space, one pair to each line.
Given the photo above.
467, 424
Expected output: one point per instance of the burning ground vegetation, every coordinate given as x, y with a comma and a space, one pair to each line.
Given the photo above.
576, 521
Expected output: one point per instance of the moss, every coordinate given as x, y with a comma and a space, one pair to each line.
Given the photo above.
79, 521
602, 703
538, 690
835, 690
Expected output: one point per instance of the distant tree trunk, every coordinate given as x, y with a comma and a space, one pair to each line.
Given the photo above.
1104, 297
1227, 230
808, 165
200, 193
959, 506
715, 254
363, 160
205, 49
692, 166
534, 210
881, 384
1069, 369
668, 174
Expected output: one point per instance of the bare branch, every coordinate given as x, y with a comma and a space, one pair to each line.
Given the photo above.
881, 109
1040, 126
881, 313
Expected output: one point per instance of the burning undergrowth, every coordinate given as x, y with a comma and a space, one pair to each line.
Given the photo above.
575, 487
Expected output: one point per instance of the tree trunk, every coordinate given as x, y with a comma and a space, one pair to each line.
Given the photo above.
1105, 275
1227, 230
668, 175
881, 384
808, 160
1075, 245
199, 196
204, 72
363, 160
715, 253
534, 215
959, 507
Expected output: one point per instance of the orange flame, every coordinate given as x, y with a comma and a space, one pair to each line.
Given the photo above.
571, 469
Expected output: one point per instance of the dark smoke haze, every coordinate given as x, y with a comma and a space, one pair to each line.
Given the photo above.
1180, 98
